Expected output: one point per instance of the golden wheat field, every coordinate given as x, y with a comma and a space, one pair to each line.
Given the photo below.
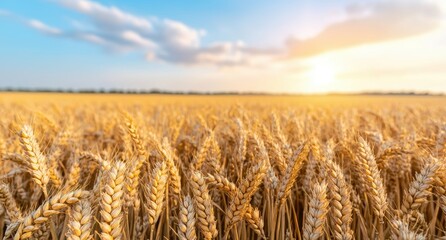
222, 167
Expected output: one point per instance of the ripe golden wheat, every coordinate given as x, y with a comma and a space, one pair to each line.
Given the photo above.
231, 171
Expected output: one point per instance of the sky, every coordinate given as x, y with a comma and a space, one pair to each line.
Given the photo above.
279, 46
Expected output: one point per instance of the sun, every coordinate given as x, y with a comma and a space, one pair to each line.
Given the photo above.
321, 77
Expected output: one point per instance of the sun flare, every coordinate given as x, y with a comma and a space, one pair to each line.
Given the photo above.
321, 77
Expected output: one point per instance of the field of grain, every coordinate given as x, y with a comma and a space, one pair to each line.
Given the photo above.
220, 167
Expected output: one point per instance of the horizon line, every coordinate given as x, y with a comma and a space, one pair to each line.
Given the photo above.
235, 93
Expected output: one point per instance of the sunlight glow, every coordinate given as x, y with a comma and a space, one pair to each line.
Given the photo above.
321, 77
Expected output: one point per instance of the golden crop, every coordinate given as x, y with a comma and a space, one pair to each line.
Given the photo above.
220, 167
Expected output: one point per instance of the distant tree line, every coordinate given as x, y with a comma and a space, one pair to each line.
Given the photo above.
164, 92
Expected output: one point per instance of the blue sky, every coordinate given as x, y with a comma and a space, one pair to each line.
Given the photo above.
250, 45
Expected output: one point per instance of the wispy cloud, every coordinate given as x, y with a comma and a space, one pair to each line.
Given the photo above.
107, 17
38, 25
371, 23
4, 12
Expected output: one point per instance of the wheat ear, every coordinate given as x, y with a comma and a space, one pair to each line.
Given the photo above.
291, 173
203, 206
111, 203
133, 179
186, 219
16, 158
174, 173
274, 150
202, 154
74, 174
222, 183
134, 135
372, 177
420, 188
9, 203
91, 157
55, 205
249, 186
36, 163
53, 165
252, 216
14, 172
341, 206
156, 191
254, 220
401, 230
166, 152
80, 221
316, 215
42, 233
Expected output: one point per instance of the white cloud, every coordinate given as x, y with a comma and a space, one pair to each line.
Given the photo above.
38, 25
235, 53
136, 38
178, 34
164, 39
92, 38
107, 17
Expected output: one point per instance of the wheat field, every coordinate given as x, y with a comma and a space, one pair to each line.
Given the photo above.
220, 167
